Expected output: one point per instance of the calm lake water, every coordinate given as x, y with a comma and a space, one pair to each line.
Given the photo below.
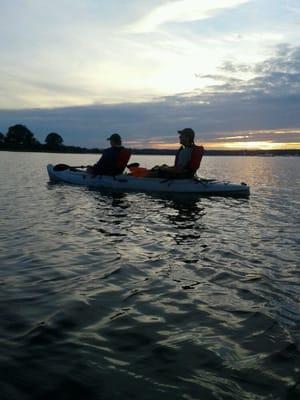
141, 296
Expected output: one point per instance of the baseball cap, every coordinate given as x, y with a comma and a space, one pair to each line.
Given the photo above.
187, 132
115, 137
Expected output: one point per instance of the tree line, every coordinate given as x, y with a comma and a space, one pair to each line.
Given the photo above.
19, 137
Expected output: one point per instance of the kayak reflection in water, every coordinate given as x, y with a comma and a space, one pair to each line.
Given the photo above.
113, 160
187, 159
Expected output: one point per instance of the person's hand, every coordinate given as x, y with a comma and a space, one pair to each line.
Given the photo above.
164, 167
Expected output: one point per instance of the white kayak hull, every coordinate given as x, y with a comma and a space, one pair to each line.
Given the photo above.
130, 183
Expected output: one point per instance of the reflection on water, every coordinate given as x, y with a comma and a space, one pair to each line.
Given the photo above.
134, 295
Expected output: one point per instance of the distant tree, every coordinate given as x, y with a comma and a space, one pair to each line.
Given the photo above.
2, 139
20, 136
54, 140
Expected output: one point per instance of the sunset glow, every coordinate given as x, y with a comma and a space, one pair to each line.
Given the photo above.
259, 145
242, 140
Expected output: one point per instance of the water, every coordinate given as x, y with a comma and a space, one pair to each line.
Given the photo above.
140, 296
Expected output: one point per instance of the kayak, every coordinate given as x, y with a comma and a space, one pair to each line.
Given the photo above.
126, 182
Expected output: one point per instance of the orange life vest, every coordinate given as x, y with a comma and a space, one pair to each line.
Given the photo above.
139, 172
122, 160
195, 161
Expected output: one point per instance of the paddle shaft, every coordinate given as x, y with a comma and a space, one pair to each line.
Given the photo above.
63, 167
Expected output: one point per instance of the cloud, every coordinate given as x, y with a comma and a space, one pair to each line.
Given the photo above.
266, 135
278, 76
62, 53
262, 108
181, 11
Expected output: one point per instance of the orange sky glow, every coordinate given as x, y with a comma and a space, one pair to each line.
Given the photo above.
280, 139
261, 145
245, 145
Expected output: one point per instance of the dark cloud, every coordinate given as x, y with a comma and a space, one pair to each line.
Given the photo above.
270, 100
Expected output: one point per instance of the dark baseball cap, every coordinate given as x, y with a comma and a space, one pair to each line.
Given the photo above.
115, 137
187, 132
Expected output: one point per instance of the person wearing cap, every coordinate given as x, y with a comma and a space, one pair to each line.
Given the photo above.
187, 159
113, 160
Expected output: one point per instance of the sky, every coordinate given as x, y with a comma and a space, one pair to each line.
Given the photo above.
229, 69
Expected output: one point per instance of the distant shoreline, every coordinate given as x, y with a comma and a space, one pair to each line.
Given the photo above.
168, 152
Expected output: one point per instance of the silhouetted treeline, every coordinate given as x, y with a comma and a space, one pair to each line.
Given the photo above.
20, 138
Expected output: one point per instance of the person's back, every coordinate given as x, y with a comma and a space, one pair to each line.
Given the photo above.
113, 160
107, 163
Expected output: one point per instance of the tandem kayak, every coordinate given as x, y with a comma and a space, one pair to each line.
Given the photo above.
130, 183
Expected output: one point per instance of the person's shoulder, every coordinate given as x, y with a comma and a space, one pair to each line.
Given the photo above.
111, 150
117, 149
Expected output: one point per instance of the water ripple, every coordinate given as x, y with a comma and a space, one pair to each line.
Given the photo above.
134, 295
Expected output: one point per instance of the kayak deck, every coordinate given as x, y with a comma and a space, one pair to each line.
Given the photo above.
129, 183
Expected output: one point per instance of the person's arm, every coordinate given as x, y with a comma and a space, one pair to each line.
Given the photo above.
174, 170
95, 168
177, 169
103, 159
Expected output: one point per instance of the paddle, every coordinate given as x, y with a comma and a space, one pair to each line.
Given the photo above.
63, 167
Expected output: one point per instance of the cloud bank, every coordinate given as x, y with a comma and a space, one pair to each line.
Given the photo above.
262, 108
181, 11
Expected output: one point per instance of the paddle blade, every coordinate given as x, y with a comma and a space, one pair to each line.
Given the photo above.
133, 165
61, 167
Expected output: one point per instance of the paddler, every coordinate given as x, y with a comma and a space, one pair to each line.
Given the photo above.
187, 159
113, 160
